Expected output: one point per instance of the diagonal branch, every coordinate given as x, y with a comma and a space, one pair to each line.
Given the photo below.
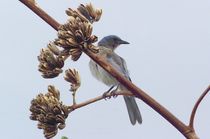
192, 117
179, 125
52, 22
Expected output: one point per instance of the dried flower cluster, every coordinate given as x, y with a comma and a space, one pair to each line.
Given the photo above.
77, 32
73, 36
50, 62
73, 77
49, 112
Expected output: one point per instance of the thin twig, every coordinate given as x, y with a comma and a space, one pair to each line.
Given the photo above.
192, 117
101, 97
179, 125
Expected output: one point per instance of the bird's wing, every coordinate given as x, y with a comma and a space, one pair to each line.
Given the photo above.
119, 64
125, 68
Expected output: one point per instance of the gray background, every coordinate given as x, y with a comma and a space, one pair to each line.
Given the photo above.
168, 57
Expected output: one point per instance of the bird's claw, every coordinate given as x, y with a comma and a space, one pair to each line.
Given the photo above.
107, 92
108, 95
114, 93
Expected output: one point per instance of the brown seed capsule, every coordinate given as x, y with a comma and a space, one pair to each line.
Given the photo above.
75, 54
79, 37
81, 16
61, 126
53, 48
71, 42
54, 115
88, 30
98, 14
72, 76
82, 9
90, 9
70, 12
61, 43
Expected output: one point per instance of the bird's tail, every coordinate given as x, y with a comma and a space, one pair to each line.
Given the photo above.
133, 110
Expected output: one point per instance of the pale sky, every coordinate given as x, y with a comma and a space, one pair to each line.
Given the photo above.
168, 57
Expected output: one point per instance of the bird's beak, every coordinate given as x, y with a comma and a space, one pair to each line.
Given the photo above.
123, 42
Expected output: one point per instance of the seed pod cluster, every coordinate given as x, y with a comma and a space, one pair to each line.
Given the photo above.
49, 111
73, 37
50, 63
76, 34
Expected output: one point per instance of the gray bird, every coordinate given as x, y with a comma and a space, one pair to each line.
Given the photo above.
106, 49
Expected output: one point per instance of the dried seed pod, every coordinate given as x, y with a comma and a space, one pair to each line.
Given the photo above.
75, 53
79, 36
52, 73
63, 34
90, 9
61, 126
81, 16
71, 42
61, 43
70, 12
53, 48
49, 134
72, 76
94, 13
53, 112
98, 14
54, 92
60, 119
89, 30
50, 65
83, 10
57, 110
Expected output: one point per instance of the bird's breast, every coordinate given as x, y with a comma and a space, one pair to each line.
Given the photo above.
99, 73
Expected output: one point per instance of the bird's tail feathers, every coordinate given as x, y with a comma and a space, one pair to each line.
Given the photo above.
133, 110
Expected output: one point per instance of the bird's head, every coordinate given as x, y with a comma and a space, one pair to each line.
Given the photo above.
111, 42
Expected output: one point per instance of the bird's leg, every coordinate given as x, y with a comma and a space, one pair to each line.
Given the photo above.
114, 92
108, 91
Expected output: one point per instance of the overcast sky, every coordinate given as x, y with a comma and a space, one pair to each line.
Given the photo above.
168, 57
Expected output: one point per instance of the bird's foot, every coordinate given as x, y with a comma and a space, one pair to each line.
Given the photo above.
108, 92
114, 93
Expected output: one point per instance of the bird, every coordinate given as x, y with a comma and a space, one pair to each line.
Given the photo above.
107, 47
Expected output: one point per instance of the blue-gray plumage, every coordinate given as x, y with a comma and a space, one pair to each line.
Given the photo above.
106, 49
